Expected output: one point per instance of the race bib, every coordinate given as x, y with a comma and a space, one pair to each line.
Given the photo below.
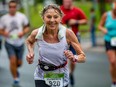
54, 79
113, 41
14, 36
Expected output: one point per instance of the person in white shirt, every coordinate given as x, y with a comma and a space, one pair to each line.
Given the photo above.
13, 26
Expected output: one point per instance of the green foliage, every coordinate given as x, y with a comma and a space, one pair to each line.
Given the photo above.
59, 2
38, 1
36, 20
86, 8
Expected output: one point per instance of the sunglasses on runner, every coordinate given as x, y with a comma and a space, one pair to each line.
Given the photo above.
12, 6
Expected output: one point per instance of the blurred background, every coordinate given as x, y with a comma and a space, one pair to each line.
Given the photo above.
93, 73
32, 8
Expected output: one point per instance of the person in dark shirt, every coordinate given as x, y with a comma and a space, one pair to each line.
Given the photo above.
92, 27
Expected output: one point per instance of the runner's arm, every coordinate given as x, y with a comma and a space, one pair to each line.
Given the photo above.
26, 29
26, 26
82, 18
30, 45
72, 40
4, 33
31, 40
102, 22
80, 22
2, 28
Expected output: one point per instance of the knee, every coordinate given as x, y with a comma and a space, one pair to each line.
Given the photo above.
12, 62
19, 64
112, 58
113, 63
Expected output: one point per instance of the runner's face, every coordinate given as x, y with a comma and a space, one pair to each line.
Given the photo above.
52, 19
67, 4
12, 8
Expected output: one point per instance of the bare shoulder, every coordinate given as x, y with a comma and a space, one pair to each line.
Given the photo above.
104, 15
70, 36
69, 33
31, 37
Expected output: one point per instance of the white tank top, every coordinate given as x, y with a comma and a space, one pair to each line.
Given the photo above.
52, 53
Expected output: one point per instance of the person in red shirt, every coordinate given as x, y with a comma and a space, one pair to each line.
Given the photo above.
73, 17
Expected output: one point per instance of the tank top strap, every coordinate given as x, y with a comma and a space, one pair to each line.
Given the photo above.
62, 38
61, 33
41, 30
109, 15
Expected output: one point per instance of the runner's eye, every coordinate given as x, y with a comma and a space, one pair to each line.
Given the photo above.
49, 17
55, 17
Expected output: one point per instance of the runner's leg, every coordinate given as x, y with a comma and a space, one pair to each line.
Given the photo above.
13, 61
19, 53
112, 59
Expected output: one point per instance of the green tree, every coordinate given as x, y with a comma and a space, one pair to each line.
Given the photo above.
102, 6
38, 1
59, 2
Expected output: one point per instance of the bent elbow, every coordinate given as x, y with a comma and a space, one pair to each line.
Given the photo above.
86, 21
99, 27
84, 59
26, 41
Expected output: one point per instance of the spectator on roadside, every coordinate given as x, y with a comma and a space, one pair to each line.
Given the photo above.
93, 27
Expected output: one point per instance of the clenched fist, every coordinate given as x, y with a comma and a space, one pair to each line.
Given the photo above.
69, 55
30, 58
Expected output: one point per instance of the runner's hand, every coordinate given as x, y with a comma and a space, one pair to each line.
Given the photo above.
105, 31
72, 22
21, 34
69, 55
6, 34
30, 58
